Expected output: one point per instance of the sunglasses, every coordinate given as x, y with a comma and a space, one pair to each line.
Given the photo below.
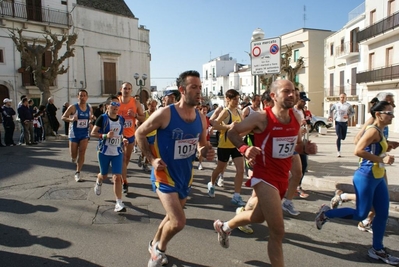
115, 104
390, 113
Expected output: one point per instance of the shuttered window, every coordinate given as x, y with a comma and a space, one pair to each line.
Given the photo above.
110, 78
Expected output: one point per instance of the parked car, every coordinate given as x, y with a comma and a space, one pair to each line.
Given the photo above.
318, 121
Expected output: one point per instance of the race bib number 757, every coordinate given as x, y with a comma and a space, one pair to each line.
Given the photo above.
284, 147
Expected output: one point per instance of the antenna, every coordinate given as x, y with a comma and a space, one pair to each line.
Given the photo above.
304, 16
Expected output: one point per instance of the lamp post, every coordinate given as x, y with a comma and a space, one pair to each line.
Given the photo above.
257, 35
140, 82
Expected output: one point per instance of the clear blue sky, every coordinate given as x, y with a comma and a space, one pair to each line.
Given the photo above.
186, 34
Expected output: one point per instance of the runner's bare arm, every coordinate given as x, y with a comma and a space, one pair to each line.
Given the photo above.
217, 123
70, 110
204, 148
140, 113
159, 119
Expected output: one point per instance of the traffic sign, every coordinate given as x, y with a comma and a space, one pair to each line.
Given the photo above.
266, 56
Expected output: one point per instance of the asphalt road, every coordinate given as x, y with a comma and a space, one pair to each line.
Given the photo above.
47, 219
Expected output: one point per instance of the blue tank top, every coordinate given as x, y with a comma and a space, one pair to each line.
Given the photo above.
110, 146
176, 145
80, 128
379, 148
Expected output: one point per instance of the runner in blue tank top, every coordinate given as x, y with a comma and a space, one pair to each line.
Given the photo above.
109, 128
175, 148
78, 116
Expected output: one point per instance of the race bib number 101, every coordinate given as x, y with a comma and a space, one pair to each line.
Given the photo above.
284, 147
185, 148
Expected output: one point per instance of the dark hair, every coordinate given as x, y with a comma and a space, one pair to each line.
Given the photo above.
374, 101
24, 100
379, 106
231, 93
42, 107
30, 101
83, 90
266, 96
22, 97
181, 81
110, 98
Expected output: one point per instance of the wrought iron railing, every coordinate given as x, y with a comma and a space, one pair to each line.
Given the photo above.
40, 14
378, 28
383, 74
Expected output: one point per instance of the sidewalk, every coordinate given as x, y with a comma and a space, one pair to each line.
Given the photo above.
328, 172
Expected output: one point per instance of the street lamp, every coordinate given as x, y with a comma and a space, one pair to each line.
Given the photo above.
257, 35
140, 82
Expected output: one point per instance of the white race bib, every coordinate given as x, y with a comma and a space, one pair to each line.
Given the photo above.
82, 123
185, 148
284, 147
114, 141
128, 124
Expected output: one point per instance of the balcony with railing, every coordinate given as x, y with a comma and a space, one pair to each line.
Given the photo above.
378, 75
347, 50
31, 13
333, 93
383, 26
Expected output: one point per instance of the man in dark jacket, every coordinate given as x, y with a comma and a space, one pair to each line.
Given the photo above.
8, 122
26, 117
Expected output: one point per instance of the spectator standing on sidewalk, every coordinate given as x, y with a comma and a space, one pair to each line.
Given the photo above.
8, 122
26, 117
52, 115
341, 112
370, 186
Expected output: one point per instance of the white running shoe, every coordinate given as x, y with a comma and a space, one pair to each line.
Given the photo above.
164, 260
200, 167
211, 190
383, 255
77, 177
119, 207
223, 237
220, 182
338, 154
97, 188
288, 206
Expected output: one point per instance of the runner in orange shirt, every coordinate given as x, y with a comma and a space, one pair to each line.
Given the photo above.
130, 110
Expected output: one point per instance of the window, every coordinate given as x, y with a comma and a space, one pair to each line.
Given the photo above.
34, 10
372, 16
109, 78
331, 84
296, 55
296, 79
389, 57
27, 76
206, 75
371, 61
342, 45
354, 45
213, 72
331, 49
391, 7
341, 82
353, 83
1, 56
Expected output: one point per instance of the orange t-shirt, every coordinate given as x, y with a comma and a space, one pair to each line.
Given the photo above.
129, 128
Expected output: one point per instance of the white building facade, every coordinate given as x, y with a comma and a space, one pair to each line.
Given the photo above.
362, 59
111, 47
